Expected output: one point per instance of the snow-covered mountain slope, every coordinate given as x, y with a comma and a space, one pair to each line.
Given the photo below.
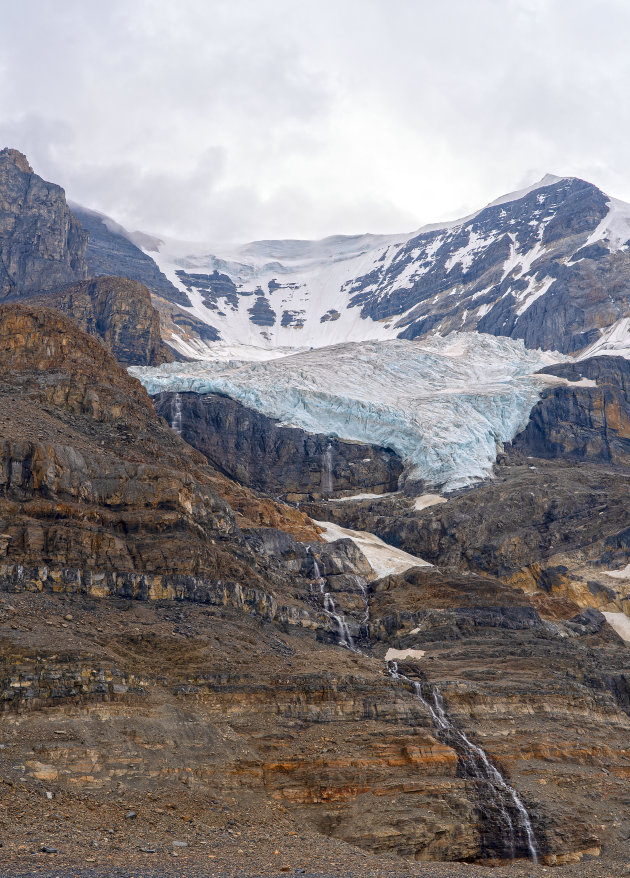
442, 403
549, 264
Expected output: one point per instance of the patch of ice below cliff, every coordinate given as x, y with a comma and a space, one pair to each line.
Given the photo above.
444, 404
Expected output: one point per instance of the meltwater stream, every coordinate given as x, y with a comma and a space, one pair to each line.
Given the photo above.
500, 804
509, 831
330, 608
176, 421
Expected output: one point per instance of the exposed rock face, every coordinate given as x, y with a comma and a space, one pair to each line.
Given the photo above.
119, 312
583, 423
208, 707
539, 524
42, 246
111, 252
91, 479
283, 461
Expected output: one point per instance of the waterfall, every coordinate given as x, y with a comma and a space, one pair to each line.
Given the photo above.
501, 803
176, 412
327, 470
361, 585
330, 608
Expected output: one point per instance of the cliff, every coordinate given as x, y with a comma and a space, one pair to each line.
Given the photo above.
42, 246
91, 479
119, 312
283, 461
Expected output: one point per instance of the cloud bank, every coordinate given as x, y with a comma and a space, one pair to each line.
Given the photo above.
268, 118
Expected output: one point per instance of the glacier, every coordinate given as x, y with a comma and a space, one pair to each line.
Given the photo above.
444, 404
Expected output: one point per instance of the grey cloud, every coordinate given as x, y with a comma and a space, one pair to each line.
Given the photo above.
257, 118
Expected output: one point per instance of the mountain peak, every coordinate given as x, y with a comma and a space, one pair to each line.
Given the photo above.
17, 158
547, 180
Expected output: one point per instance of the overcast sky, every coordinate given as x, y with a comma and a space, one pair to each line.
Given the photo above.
246, 119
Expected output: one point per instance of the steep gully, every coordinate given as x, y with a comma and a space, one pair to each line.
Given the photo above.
504, 816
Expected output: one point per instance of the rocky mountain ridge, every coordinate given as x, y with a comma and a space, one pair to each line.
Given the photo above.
119, 312
548, 264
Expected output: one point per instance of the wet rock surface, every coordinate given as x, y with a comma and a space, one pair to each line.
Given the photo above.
283, 461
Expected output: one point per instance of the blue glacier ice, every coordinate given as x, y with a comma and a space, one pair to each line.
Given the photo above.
444, 404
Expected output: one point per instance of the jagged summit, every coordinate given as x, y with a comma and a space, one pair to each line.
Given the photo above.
42, 246
14, 156
548, 264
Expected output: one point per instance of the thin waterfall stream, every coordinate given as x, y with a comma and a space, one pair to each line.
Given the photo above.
508, 829
500, 803
327, 470
330, 609
176, 421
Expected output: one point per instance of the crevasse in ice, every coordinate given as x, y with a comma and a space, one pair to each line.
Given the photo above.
442, 403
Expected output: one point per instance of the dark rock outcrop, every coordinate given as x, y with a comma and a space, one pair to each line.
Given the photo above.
582, 422
283, 461
111, 252
42, 246
119, 312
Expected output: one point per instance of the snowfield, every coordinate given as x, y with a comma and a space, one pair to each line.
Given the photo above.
443, 404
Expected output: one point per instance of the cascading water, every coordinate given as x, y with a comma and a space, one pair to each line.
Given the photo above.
330, 608
176, 421
501, 807
361, 585
327, 470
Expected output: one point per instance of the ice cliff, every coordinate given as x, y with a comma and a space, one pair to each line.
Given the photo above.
442, 403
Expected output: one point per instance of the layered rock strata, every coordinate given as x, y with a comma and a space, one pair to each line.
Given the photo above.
588, 418
144, 704
91, 478
119, 312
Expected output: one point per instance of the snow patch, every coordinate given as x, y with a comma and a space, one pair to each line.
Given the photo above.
614, 229
614, 341
427, 500
619, 574
555, 380
399, 655
384, 559
363, 496
620, 623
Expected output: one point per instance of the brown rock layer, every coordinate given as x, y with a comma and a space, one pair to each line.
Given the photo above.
119, 313
91, 478
582, 422
206, 704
